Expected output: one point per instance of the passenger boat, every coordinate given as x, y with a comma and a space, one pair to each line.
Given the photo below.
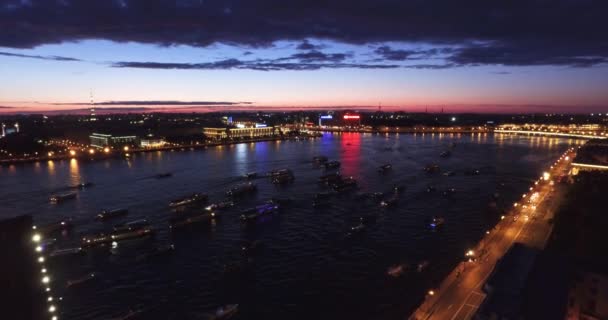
220, 205
131, 230
199, 218
241, 189
385, 168
332, 164
58, 198
251, 215
110, 214
189, 200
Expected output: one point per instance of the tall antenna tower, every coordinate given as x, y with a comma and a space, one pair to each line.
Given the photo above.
92, 106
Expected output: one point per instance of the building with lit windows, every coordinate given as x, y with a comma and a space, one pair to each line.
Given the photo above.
152, 142
235, 133
100, 140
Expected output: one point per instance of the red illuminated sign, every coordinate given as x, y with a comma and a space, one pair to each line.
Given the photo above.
351, 117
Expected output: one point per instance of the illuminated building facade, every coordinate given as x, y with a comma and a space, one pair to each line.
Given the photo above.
100, 140
152, 142
224, 133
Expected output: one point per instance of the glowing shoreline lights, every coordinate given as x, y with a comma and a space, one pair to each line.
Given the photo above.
46, 277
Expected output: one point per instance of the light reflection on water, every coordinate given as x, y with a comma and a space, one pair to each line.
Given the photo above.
305, 267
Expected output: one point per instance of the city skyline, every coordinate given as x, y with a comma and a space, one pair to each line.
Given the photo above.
253, 56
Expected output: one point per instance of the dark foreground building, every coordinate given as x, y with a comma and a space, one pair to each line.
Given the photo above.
22, 294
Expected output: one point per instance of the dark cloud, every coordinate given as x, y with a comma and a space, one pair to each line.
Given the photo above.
306, 45
522, 32
259, 65
530, 53
318, 56
55, 58
387, 53
157, 103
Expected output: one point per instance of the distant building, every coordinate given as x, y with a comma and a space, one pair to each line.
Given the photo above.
9, 130
224, 133
588, 297
100, 140
152, 142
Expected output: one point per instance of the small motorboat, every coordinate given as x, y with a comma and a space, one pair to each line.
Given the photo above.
82, 185
252, 247
389, 202
422, 265
332, 164
472, 172
445, 154
385, 168
432, 168
396, 271
449, 173
204, 217
330, 178
436, 223
430, 189
356, 230
368, 219
163, 175
225, 312
320, 159
448, 192
250, 175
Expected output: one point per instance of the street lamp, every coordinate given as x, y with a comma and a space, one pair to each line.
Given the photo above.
126, 148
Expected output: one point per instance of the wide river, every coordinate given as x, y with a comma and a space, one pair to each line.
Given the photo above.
305, 268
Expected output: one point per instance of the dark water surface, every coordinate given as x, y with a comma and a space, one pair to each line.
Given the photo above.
306, 269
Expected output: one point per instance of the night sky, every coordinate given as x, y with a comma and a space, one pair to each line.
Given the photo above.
466, 56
